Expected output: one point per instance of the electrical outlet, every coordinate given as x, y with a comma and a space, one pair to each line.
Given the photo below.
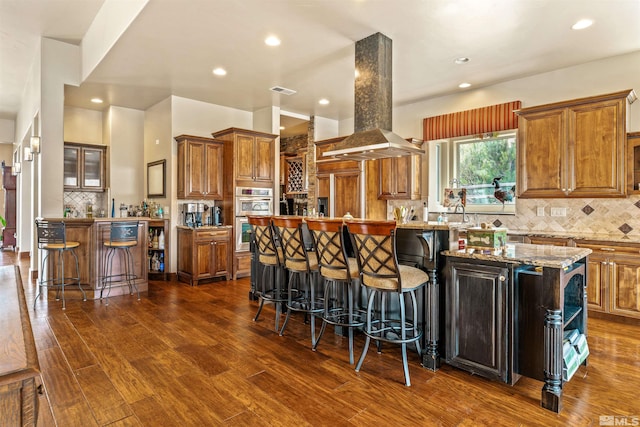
558, 211
540, 211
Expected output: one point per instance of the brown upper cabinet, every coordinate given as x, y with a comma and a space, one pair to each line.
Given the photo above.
253, 155
399, 177
84, 167
574, 148
200, 168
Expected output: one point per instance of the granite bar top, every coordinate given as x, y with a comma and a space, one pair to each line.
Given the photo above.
79, 220
523, 253
204, 227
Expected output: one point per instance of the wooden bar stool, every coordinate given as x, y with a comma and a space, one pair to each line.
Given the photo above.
272, 285
340, 274
375, 246
52, 239
302, 266
123, 236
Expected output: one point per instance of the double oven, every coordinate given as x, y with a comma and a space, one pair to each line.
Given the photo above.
250, 201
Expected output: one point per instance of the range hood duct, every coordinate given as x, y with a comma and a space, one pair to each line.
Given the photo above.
373, 138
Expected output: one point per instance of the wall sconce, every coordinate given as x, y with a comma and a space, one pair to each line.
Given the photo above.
28, 155
35, 144
16, 168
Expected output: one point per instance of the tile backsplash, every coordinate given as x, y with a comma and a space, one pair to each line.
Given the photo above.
618, 217
78, 201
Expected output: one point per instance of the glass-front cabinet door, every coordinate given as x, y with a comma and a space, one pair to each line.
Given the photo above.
71, 167
92, 177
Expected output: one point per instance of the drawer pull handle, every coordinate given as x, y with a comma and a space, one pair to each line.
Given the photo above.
608, 249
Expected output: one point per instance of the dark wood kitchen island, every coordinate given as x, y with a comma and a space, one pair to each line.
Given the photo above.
92, 233
507, 311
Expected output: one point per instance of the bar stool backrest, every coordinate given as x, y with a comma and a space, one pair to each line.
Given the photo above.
375, 246
290, 232
264, 236
330, 248
124, 232
51, 234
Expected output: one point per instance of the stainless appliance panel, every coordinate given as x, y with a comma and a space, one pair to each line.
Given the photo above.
254, 192
243, 233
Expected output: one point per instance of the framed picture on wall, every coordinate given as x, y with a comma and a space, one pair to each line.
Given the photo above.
156, 173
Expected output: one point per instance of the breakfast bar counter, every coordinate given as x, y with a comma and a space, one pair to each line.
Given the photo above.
91, 233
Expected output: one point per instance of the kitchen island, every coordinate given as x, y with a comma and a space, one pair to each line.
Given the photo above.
91, 233
507, 311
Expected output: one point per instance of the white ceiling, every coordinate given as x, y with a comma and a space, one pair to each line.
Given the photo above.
173, 45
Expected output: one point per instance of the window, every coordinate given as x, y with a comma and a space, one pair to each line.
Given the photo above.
485, 166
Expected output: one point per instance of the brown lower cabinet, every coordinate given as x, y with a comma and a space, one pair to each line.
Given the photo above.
613, 274
613, 284
204, 253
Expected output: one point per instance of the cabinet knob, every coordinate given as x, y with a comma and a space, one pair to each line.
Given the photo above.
502, 278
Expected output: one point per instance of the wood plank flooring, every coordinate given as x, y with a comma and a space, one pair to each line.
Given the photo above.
186, 356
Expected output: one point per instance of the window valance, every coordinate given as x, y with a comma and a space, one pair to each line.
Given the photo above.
493, 118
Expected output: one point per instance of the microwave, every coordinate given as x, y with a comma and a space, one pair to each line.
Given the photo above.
254, 206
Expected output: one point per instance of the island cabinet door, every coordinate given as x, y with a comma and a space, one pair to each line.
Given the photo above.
476, 320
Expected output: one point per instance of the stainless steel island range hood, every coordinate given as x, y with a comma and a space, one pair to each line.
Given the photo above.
373, 138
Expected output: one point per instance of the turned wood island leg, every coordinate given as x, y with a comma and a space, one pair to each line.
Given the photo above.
431, 356
552, 389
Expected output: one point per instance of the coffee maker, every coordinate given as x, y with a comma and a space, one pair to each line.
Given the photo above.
189, 214
217, 215
199, 214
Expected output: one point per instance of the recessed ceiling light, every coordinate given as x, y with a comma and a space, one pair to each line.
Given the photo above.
323, 101
272, 41
96, 100
461, 60
582, 24
219, 71
464, 85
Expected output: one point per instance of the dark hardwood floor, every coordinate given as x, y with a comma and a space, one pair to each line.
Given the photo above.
186, 356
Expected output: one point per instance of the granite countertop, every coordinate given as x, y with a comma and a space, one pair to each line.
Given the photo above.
575, 235
523, 253
432, 225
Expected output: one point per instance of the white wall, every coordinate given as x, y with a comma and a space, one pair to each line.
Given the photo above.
127, 167
84, 126
7, 131
326, 128
62, 64
198, 118
158, 145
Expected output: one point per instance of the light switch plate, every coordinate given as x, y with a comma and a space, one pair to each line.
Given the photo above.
540, 211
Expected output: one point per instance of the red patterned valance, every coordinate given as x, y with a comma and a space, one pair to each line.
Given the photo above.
472, 122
